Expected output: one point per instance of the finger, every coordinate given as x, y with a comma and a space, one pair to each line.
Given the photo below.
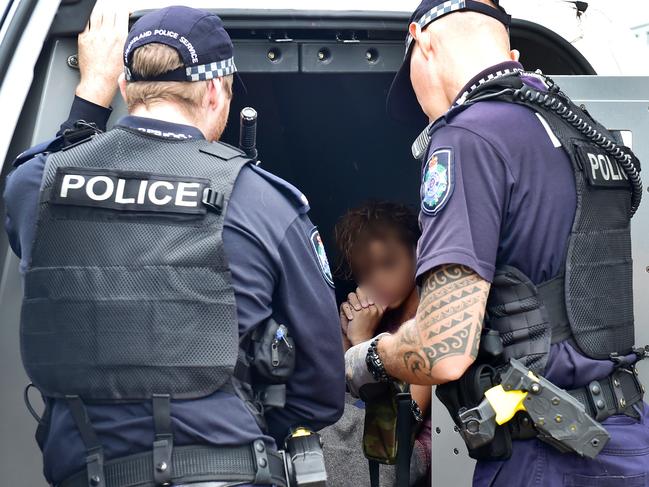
110, 15
354, 301
97, 15
344, 324
377, 310
121, 19
116, 12
346, 309
362, 297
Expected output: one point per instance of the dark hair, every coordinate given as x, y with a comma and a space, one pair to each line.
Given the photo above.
373, 219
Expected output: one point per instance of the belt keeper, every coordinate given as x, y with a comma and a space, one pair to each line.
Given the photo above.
262, 466
95, 467
597, 400
162, 450
636, 380
163, 440
621, 402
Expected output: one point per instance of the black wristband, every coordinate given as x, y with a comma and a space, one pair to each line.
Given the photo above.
374, 362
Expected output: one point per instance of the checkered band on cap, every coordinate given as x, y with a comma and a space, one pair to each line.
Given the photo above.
211, 70
435, 13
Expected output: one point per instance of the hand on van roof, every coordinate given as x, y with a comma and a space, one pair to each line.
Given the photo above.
100, 52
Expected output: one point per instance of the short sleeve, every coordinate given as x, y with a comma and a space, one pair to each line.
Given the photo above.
464, 196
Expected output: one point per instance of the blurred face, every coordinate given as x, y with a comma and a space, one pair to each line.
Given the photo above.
385, 267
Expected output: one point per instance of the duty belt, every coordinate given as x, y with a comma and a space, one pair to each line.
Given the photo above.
251, 464
531, 406
616, 394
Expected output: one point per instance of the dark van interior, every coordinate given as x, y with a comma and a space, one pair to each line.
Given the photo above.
323, 125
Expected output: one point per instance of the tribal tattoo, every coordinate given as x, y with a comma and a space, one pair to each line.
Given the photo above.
448, 323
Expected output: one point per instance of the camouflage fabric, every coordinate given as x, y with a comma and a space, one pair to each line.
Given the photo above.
344, 458
380, 433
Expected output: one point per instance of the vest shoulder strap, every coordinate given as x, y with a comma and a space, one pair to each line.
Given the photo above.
223, 151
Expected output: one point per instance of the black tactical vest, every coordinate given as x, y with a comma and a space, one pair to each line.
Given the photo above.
128, 292
591, 302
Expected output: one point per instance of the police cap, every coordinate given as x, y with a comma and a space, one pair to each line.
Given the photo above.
402, 103
199, 37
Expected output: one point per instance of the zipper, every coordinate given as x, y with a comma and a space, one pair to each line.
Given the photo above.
280, 336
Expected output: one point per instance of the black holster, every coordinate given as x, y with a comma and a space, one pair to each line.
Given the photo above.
468, 392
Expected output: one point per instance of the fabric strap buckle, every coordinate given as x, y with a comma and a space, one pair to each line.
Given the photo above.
213, 200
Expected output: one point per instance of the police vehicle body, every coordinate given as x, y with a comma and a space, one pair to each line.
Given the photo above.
318, 78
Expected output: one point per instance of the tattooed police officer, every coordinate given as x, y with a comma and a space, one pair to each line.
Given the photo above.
526, 204
147, 252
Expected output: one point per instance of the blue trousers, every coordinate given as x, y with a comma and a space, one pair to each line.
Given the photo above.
624, 462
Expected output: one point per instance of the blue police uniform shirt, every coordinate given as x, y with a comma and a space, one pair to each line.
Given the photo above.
276, 269
504, 195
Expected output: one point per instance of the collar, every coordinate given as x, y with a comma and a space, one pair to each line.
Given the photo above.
420, 146
497, 71
160, 128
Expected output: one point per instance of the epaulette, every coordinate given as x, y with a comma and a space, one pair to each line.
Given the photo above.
291, 192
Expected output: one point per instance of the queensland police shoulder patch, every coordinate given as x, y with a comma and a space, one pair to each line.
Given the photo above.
323, 262
438, 182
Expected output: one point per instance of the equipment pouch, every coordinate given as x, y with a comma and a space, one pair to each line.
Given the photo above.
380, 435
273, 353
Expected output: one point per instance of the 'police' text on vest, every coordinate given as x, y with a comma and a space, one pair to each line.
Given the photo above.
128, 190
601, 169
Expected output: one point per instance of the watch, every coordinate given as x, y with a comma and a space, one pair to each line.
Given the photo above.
374, 362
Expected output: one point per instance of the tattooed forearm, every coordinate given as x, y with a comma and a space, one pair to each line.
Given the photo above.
448, 324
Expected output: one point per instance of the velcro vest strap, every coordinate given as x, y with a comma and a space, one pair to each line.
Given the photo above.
552, 294
94, 451
515, 310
